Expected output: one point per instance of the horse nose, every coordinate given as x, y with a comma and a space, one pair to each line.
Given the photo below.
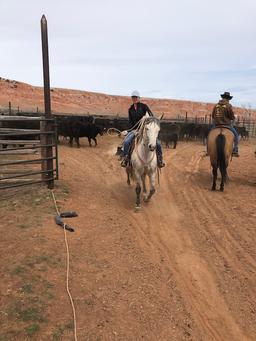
151, 147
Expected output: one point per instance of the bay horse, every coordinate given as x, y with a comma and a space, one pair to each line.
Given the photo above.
143, 157
220, 148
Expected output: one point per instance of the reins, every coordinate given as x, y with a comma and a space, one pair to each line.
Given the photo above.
141, 130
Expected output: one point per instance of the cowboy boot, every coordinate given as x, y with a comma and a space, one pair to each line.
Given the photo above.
235, 152
125, 161
160, 163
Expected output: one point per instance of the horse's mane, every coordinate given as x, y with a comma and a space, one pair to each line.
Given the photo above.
142, 123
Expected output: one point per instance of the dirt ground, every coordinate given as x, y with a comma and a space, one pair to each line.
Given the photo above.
183, 268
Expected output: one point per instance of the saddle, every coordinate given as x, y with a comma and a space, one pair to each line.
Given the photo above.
222, 126
160, 162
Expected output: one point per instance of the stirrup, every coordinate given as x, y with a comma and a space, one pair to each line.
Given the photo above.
125, 162
160, 164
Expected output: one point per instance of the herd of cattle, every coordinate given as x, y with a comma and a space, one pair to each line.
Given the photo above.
75, 127
171, 132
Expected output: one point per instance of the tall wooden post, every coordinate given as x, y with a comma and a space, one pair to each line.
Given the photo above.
47, 125
10, 108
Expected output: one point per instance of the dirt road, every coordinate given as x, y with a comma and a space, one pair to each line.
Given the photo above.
182, 268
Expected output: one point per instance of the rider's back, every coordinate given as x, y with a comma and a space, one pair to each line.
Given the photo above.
223, 113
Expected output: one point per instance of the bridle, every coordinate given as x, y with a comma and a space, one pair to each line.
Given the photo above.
143, 136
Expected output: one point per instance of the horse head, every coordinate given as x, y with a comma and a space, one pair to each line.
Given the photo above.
151, 131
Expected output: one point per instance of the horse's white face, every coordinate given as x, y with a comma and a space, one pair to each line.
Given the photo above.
151, 131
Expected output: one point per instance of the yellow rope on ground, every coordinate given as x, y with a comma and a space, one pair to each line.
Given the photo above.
67, 277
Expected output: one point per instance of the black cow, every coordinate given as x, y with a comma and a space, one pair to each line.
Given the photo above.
167, 138
89, 130
242, 132
169, 133
64, 127
187, 131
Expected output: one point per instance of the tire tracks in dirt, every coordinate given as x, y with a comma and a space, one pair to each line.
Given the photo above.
187, 232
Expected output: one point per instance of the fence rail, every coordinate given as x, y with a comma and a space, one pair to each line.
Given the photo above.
33, 144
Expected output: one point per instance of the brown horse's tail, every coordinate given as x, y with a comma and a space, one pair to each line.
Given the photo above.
221, 159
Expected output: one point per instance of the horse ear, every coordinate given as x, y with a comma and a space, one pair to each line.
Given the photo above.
147, 114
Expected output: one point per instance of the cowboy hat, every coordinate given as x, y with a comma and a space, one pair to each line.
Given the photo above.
226, 95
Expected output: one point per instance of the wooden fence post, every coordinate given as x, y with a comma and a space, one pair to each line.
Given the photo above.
46, 125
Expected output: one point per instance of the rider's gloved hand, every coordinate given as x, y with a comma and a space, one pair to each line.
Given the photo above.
124, 132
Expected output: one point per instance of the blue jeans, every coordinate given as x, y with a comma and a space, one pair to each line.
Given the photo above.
236, 137
128, 141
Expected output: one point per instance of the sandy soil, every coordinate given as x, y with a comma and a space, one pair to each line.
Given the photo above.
183, 268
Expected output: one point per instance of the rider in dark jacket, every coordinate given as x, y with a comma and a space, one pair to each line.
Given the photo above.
136, 111
223, 115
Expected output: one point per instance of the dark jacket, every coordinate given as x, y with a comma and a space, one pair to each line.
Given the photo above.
136, 115
222, 113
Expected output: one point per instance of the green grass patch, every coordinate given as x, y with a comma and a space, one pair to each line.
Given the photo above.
70, 325
10, 335
27, 288
18, 270
42, 259
57, 333
47, 290
31, 314
32, 329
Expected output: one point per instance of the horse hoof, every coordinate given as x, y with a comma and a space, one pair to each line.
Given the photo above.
146, 199
222, 189
137, 208
213, 188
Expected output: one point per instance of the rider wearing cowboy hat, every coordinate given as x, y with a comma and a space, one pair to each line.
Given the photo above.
136, 111
223, 115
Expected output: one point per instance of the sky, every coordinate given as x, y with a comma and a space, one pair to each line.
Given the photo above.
186, 49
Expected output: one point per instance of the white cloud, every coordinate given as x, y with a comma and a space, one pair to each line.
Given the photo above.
185, 49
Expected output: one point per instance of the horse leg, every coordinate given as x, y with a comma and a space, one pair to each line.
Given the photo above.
214, 174
128, 177
223, 180
89, 140
144, 186
138, 190
95, 141
152, 178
